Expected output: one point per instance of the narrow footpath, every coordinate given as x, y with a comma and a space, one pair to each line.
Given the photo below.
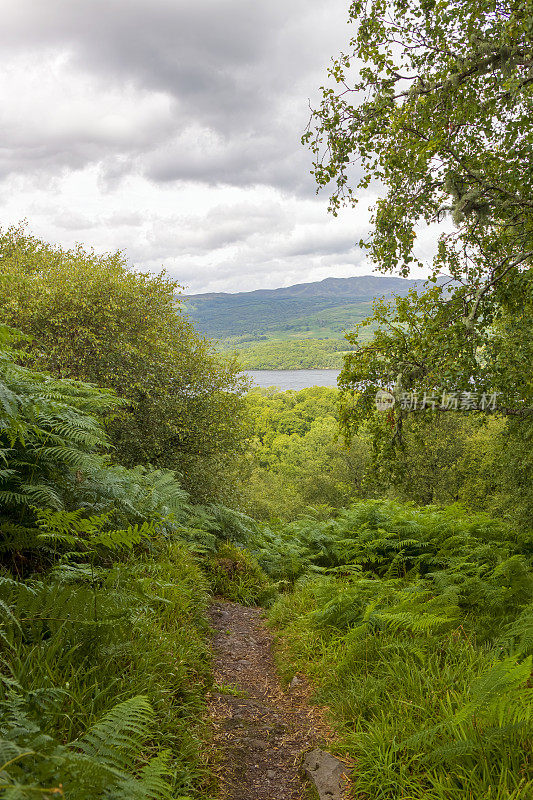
261, 733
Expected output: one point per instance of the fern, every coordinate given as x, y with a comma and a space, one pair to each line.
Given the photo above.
103, 763
48, 432
518, 635
90, 625
114, 740
420, 640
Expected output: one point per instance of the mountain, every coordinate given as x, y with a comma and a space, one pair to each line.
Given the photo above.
323, 309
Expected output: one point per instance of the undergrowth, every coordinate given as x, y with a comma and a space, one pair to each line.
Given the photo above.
104, 671
104, 663
235, 574
416, 627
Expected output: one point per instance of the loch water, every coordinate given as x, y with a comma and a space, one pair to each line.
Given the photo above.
293, 378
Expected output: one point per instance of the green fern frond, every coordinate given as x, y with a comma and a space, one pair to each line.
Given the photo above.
115, 738
153, 782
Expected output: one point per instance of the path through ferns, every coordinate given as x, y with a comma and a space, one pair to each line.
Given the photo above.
260, 730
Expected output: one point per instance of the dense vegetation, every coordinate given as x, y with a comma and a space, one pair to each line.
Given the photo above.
298, 458
395, 549
92, 318
406, 619
104, 661
414, 624
293, 354
441, 116
298, 327
419, 632
102, 611
417, 629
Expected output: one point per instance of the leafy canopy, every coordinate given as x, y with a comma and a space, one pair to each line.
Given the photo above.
439, 115
92, 318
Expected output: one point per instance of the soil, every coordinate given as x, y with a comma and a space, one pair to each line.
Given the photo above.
260, 731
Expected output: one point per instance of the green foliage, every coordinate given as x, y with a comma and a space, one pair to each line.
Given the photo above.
91, 318
52, 449
476, 563
418, 636
415, 623
293, 354
48, 433
89, 535
434, 101
497, 471
422, 346
98, 764
80, 646
297, 458
483, 462
235, 574
103, 660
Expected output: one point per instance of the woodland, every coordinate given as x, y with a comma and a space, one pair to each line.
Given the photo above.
140, 476
297, 327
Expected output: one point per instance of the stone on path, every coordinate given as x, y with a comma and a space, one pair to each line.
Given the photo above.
327, 773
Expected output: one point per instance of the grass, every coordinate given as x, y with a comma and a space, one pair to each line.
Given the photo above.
234, 573
63, 677
404, 706
415, 627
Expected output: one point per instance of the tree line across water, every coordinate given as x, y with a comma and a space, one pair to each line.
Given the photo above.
294, 354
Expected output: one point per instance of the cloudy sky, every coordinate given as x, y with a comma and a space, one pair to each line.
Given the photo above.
171, 129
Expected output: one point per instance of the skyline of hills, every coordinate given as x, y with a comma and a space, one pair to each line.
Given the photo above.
319, 309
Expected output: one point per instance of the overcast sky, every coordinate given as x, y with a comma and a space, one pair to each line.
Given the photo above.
171, 129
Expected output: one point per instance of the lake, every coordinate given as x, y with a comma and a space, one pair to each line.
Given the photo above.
293, 378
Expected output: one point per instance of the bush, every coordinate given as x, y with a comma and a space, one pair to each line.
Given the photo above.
93, 319
103, 660
103, 678
234, 574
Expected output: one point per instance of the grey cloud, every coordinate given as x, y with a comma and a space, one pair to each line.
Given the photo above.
220, 228
241, 70
71, 221
269, 274
75, 221
316, 245
156, 110
238, 161
200, 51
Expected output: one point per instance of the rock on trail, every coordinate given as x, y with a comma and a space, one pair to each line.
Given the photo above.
260, 732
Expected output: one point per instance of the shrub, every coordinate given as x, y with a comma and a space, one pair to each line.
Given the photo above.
234, 574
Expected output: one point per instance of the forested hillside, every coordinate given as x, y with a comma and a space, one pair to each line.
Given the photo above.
293, 354
297, 327
329, 306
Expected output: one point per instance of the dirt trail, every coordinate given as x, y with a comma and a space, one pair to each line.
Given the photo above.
260, 731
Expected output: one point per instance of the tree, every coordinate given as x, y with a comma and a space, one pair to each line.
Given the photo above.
440, 116
297, 458
92, 318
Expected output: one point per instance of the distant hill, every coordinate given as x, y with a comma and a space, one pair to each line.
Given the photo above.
319, 310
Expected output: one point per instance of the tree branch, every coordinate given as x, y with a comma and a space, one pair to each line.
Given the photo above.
484, 289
